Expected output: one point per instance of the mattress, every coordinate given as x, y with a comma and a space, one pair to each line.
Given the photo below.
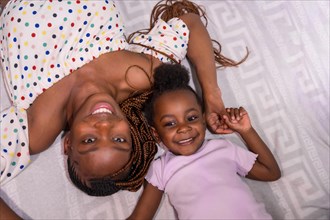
284, 85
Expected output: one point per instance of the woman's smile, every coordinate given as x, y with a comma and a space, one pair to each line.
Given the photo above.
102, 107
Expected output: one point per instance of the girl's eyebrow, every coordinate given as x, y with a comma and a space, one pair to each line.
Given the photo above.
170, 115
165, 116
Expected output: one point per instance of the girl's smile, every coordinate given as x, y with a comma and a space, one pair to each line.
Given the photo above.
179, 121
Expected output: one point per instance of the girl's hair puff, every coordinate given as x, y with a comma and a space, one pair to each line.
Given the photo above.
168, 78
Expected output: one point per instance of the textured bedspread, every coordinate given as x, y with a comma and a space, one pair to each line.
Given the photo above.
284, 85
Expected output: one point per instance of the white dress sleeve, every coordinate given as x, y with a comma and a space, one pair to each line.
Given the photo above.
167, 40
15, 155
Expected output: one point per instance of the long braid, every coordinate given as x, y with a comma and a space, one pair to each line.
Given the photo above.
144, 145
168, 9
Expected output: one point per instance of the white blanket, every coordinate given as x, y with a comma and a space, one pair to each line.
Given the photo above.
284, 85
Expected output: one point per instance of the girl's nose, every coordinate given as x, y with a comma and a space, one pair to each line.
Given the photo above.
184, 128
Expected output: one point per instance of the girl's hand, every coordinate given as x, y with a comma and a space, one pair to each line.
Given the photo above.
214, 111
237, 119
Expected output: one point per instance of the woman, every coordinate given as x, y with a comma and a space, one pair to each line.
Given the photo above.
67, 64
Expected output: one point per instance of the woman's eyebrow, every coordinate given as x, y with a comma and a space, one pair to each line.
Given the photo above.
88, 150
95, 148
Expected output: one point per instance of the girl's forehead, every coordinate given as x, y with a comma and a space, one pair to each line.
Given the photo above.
178, 94
175, 100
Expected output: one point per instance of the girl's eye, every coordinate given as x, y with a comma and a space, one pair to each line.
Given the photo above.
89, 140
169, 124
193, 118
118, 139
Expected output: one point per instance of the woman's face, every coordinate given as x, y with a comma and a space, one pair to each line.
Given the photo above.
179, 122
99, 142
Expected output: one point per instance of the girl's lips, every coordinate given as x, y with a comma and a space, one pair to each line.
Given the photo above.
102, 107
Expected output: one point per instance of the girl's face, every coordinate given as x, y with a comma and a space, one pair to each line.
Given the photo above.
179, 122
99, 142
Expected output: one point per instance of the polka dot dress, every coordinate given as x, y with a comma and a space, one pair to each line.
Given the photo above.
43, 41
40, 43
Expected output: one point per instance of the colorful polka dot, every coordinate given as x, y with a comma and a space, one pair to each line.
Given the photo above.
67, 35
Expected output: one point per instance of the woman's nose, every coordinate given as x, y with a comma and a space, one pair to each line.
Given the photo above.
104, 124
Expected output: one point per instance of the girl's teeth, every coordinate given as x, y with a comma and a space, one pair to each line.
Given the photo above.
102, 110
184, 141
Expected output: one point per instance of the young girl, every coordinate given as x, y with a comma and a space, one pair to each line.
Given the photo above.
200, 176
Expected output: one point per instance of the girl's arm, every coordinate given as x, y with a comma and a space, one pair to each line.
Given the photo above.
265, 167
147, 204
201, 55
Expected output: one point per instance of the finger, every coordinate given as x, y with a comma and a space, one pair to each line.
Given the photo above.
236, 112
228, 111
213, 123
231, 113
223, 131
242, 111
214, 127
227, 131
227, 120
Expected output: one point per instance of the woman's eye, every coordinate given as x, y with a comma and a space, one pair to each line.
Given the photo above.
89, 140
118, 139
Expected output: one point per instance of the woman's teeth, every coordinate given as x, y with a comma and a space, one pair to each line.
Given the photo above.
102, 110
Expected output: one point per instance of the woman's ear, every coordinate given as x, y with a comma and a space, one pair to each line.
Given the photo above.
67, 143
155, 134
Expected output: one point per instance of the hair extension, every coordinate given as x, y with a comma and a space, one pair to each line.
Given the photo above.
167, 9
100, 187
168, 78
144, 145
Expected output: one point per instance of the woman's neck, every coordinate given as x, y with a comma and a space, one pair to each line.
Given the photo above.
87, 83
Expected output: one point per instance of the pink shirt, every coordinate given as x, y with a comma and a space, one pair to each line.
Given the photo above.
205, 185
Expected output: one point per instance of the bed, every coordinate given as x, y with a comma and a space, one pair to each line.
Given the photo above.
284, 85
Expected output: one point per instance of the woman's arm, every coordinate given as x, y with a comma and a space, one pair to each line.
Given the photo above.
6, 213
265, 167
3, 3
201, 55
47, 115
148, 203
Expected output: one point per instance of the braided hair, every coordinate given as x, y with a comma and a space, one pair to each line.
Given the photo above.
167, 9
143, 151
168, 78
